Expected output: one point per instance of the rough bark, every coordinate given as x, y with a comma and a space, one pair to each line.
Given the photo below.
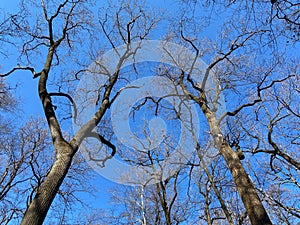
253, 205
38, 208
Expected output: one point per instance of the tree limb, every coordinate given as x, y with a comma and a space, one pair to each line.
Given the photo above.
31, 69
68, 97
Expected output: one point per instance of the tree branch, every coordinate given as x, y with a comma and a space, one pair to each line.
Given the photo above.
31, 69
259, 90
68, 97
103, 141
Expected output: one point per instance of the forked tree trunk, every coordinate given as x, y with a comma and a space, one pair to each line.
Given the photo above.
38, 208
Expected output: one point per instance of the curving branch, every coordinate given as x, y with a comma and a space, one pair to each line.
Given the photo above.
233, 113
234, 46
103, 141
277, 150
288, 107
68, 97
31, 69
259, 90
273, 82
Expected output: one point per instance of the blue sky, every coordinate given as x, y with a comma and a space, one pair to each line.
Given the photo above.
26, 87
26, 92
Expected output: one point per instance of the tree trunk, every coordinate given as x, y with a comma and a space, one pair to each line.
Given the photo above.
38, 208
253, 205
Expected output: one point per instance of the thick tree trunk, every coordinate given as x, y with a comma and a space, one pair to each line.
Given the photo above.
38, 208
253, 205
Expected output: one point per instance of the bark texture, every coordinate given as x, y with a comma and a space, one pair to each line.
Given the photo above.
38, 208
253, 205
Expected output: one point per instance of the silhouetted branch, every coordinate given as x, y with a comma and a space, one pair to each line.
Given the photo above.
103, 141
68, 97
259, 90
31, 69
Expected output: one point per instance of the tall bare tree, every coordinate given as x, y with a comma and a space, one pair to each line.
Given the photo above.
58, 25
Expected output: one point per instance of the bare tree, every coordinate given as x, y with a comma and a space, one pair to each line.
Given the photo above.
250, 54
61, 24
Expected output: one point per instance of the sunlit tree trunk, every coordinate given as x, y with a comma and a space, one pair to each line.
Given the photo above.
38, 208
254, 207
